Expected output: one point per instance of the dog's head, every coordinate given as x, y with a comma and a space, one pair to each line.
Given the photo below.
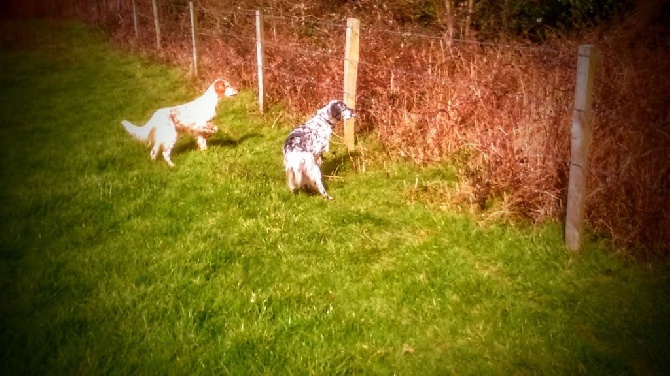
223, 88
336, 110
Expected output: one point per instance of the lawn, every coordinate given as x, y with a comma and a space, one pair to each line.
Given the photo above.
113, 263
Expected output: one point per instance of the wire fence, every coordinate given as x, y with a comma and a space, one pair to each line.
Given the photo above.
506, 107
177, 26
403, 63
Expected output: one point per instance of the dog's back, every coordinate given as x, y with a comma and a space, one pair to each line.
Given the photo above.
309, 138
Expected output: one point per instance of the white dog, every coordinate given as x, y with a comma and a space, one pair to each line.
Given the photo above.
194, 117
305, 145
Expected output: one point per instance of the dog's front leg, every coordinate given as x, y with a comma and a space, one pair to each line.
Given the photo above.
202, 142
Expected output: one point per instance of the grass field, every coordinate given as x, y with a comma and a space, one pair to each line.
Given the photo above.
114, 264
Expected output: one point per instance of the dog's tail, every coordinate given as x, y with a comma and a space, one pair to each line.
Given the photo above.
143, 134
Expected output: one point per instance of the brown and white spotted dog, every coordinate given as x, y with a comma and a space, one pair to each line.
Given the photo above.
194, 118
305, 145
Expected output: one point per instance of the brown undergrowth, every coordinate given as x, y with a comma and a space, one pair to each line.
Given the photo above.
502, 111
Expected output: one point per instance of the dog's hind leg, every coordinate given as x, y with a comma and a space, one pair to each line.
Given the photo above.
294, 182
154, 151
167, 151
314, 174
169, 137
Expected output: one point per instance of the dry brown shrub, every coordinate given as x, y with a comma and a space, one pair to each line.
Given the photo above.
630, 158
501, 110
506, 107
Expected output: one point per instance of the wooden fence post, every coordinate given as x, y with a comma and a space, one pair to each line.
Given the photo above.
580, 143
193, 38
137, 32
449, 10
468, 19
99, 12
157, 24
260, 60
350, 77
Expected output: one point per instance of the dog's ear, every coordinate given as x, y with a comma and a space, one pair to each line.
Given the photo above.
335, 109
220, 86
223, 88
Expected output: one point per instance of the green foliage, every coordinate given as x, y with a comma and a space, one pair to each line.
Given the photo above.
534, 19
113, 264
527, 19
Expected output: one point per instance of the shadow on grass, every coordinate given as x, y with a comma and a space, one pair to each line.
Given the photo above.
10, 254
332, 165
189, 144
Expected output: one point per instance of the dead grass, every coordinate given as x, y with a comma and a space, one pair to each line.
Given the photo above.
501, 110
630, 179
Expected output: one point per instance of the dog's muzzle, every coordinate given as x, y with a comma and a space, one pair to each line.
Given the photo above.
230, 92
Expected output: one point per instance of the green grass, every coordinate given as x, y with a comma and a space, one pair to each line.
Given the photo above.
112, 263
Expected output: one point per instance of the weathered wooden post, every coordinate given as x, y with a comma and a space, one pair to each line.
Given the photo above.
449, 10
468, 19
350, 77
137, 32
157, 24
193, 38
580, 143
260, 60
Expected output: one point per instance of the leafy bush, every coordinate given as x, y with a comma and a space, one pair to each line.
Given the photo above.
535, 20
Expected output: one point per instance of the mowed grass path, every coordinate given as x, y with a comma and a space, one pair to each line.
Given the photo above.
112, 263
